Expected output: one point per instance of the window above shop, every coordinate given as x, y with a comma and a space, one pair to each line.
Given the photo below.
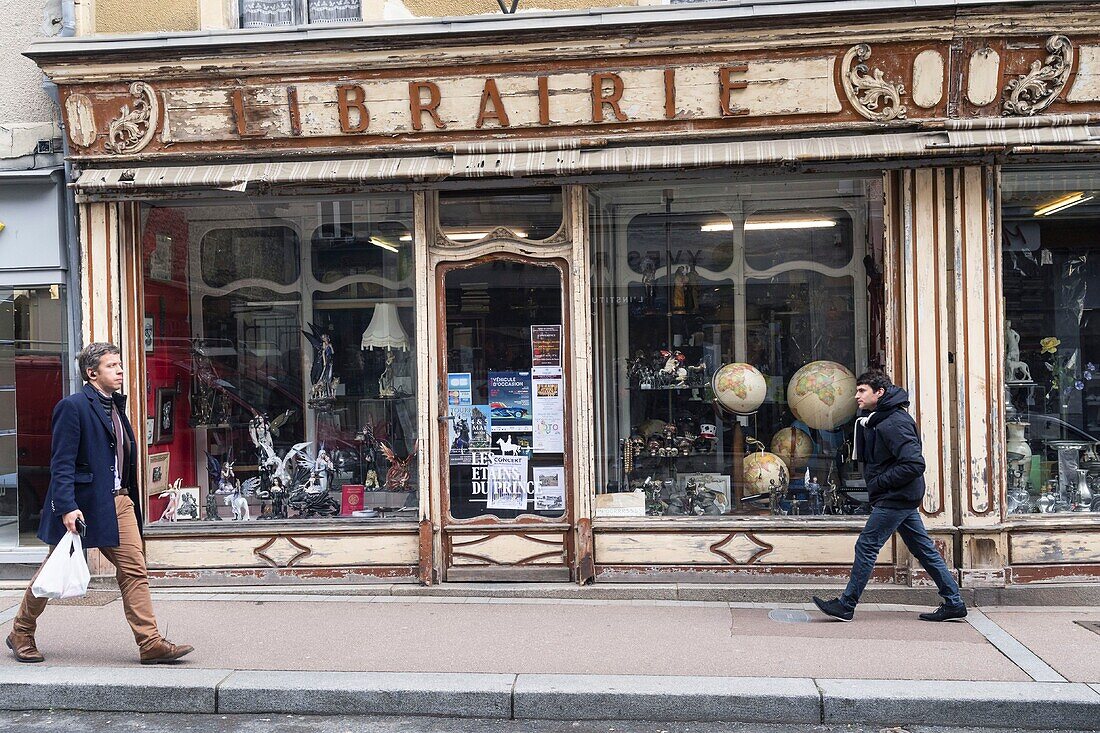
279, 13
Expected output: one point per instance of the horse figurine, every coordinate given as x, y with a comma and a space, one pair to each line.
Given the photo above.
507, 446
237, 499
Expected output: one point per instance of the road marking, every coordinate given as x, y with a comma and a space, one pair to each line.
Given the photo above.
1012, 648
8, 614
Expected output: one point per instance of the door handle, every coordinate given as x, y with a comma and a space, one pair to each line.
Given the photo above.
445, 418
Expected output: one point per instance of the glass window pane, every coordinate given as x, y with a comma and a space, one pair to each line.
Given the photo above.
1051, 280
466, 216
279, 354
266, 13
691, 278
334, 11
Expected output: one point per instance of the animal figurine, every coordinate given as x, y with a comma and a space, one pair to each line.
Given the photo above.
398, 478
237, 499
507, 446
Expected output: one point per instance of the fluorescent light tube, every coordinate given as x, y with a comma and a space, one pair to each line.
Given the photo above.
1063, 203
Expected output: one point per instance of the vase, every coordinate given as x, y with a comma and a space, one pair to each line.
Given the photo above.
1019, 451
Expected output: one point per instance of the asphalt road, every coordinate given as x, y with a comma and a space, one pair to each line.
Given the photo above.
75, 722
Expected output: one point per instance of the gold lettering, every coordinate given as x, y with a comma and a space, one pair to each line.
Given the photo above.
491, 95
417, 106
600, 98
544, 100
349, 97
237, 97
728, 85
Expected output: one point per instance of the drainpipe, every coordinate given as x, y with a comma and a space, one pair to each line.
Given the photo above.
72, 243
68, 18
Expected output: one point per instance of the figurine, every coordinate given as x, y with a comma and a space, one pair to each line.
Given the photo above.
398, 478
188, 509
261, 431
649, 283
212, 507
207, 394
680, 291
173, 493
1015, 370
386, 386
321, 373
319, 468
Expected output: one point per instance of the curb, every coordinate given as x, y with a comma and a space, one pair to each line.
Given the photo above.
1036, 705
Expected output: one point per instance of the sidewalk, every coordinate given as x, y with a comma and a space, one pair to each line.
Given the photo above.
320, 650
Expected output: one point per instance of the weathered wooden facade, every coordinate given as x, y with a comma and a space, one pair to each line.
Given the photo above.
934, 105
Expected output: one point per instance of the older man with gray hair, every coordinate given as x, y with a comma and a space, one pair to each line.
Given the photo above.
93, 491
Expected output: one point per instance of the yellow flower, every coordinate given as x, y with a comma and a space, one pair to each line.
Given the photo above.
1050, 344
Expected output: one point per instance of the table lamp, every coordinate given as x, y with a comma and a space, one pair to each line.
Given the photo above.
385, 332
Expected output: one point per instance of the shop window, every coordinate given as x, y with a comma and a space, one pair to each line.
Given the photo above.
34, 375
279, 343
730, 322
276, 13
1051, 281
532, 214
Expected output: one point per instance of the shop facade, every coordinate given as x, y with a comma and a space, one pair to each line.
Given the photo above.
397, 306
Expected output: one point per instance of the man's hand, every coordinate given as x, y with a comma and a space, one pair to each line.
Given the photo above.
69, 520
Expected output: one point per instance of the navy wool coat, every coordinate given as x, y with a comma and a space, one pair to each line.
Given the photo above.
82, 469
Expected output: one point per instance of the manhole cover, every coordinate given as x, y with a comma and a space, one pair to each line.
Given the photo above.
784, 616
1093, 626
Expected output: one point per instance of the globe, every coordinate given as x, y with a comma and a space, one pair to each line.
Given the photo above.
765, 472
739, 388
822, 395
794, 447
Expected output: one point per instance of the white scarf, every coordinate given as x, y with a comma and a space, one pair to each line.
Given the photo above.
861, 422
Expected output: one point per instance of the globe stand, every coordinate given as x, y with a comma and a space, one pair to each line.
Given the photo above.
737, 470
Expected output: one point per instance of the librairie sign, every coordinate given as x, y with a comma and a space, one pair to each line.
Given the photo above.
885, 83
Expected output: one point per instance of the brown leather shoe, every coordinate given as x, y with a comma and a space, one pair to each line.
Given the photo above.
165, 652
22, 646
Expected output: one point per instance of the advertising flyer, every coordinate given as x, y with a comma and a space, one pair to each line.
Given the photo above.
459, 389
549, 489
548, 415
507, 482
545, 351
510, 402
460, 432
480, 427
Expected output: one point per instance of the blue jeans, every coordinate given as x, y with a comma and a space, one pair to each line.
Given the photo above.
880, 526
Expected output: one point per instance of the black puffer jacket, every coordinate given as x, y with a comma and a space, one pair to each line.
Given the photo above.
889, 447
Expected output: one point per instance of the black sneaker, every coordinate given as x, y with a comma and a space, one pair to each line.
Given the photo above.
835, 608
944, 613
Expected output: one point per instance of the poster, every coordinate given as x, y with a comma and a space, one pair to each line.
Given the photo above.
510, 402
507, 482
460, 433
480, 428
549, 489
459, 389
548, 415
545, 351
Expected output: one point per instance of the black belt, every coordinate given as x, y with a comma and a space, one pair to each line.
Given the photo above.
120, 492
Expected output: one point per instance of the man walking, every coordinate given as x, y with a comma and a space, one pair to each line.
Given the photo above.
889, 447
93, 486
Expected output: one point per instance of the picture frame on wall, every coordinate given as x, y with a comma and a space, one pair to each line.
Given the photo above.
147, 334
156, 471
164, 429
716, 483
160, 259
150, 427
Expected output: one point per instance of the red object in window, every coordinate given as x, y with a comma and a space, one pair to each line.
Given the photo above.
351, 499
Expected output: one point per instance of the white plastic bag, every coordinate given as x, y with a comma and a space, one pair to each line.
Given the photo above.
65, 574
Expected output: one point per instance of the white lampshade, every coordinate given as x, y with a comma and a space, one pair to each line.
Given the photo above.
385, 329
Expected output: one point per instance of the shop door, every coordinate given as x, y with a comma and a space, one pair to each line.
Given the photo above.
506, 495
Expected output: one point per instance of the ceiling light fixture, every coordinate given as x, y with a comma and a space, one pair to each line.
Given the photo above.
379, 242
770, 225
1063, 203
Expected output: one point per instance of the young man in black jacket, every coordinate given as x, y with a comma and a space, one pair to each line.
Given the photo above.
888, 446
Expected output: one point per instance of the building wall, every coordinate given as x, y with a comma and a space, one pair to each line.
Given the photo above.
146, 16
26, 112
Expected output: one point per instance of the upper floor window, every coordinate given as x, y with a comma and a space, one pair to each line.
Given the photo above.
274, 13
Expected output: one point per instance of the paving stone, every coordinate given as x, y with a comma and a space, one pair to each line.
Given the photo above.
703, 699
174, 689
368, 693
1043, 705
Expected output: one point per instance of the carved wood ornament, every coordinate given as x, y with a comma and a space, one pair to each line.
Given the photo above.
870, 94
133, 129
1033, 92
